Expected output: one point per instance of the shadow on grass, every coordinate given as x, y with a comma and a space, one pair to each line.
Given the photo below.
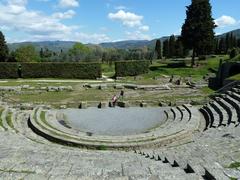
156, 68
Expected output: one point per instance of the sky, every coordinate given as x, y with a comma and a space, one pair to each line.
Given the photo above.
96, 21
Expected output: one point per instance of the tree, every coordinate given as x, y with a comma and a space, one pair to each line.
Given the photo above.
222, 46
165, 48
179, 49
197, 31
171, 52
233, 53
3, 48
238, 43
41, 53
26, 54
158, 49
104, 57
79, 52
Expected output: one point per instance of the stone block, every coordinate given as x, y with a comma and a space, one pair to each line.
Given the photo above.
102, 105
119, 86
102, 86
25, 86
143, 104
123, 104
83, 105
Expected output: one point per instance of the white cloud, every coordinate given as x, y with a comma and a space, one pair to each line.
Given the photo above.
144, 28
21, 19
65, 15
127, 18
137, 35
224, 21
37, 26
120, 7
68, 3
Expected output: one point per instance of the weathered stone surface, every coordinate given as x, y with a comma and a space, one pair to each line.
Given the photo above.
26, 155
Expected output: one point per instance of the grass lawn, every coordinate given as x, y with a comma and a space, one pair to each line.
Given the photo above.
1, 124
159, 68
235, 77
234, 165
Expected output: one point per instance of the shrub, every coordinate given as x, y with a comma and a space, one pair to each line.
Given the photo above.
53, 70
176, 64
131, 68
101, 148
8, 70
236, 58
233, 53
202, 57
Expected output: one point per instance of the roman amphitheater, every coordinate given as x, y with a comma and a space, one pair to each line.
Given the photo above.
187, 142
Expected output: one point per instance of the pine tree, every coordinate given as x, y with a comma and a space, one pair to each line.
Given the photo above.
3, 48
158, 49
171, 52
165, 48
197, 31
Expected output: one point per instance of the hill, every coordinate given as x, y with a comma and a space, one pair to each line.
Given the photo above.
128, 44
131, 44
56, 46
234, 32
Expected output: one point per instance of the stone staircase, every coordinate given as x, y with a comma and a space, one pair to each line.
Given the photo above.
223, 109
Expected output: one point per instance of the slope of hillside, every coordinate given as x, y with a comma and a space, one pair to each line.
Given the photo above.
56, 46
234, 32
128, 44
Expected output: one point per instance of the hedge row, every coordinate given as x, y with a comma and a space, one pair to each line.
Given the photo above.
131, 68
51, 70
8, 70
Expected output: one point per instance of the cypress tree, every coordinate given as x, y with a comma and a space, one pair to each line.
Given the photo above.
158, 49
238, 43
165, 48
234, 41
179, 50
228, 43
3, 48
222, 46
197, 31
171, 52
41, 53
216, 46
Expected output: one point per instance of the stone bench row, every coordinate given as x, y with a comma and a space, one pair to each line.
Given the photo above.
195, 166
223, 110
157, 138
15, 121
7, 116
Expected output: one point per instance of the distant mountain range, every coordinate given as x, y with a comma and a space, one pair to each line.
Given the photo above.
51, 45
234, 32
129, 44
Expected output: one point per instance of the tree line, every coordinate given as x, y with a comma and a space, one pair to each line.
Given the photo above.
78, 53
173, 46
